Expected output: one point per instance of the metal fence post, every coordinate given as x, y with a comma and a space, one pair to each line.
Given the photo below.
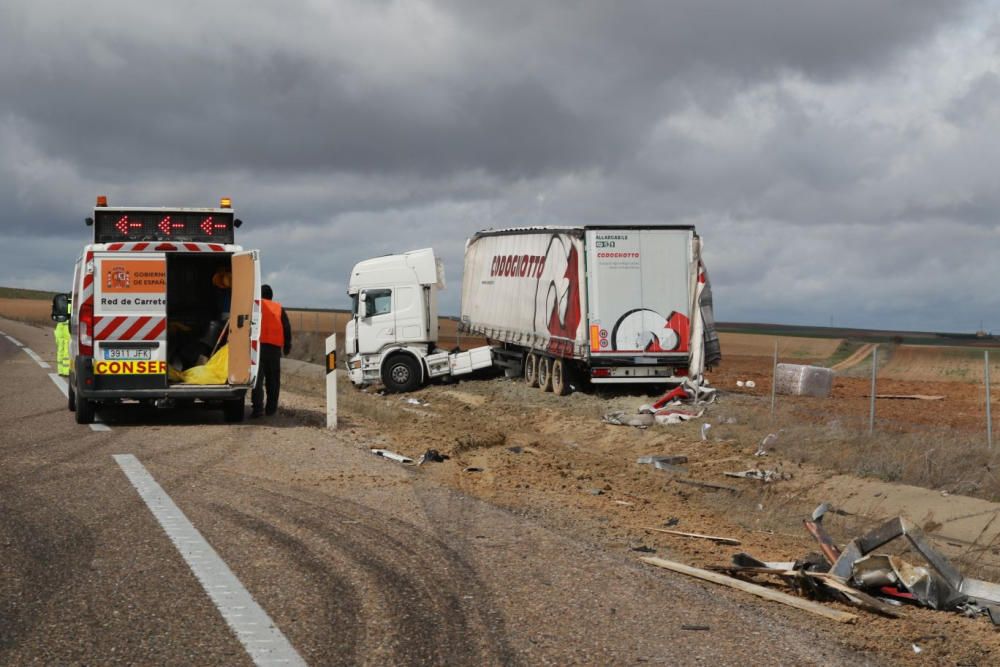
871, 413
989, 418
774, 377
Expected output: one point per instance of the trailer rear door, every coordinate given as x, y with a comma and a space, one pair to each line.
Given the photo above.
244, 323
638, 291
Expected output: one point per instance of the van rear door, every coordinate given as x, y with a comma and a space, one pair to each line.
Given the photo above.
638, 291
130, 318
244, 322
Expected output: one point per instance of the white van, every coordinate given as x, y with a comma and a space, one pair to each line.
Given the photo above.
159, 289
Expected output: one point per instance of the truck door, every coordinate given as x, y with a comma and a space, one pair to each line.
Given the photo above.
378, 326
244, 318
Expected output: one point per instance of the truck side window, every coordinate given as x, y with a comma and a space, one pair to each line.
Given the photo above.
378, 301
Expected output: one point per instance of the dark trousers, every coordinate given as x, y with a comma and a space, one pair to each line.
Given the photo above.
268, 377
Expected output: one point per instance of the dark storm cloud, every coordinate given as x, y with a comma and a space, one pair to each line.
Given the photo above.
528, 87
790, 132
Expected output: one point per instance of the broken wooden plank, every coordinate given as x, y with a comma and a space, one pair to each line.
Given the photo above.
706, 485
713, 538
754, 589
910, 397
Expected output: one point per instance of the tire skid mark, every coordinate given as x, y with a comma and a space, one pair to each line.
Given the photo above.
424, 580
342, 608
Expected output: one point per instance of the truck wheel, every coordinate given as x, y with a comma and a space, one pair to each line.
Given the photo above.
233, 410
71, 399
560, 377
544, 374
531, 370
85, 410
401, 373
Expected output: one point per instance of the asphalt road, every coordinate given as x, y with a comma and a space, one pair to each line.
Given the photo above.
355, 560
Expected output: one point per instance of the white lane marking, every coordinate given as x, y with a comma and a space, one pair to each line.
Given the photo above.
59, 382
13, 340
252, 626
38, 360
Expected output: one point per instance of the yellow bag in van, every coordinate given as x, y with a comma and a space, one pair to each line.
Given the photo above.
214, 371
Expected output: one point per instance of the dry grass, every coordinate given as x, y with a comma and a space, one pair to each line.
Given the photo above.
34, 311
943, 459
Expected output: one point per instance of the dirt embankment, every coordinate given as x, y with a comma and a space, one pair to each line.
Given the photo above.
551, 458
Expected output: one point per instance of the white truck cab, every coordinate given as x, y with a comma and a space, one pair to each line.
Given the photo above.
392, 337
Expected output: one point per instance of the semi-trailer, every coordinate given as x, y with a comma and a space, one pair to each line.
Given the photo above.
559, 306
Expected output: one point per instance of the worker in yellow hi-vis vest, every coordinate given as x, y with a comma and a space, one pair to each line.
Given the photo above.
61, 309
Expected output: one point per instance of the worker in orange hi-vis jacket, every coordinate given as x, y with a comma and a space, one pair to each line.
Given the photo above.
275, 338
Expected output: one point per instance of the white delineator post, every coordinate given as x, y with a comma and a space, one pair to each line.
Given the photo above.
331, 381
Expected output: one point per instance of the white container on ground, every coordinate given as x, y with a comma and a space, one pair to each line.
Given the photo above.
799, 380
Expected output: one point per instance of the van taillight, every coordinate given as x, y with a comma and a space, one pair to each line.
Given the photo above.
87, 329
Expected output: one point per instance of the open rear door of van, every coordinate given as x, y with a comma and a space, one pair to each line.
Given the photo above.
244, 322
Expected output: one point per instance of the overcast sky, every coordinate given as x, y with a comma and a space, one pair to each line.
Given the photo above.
838, 158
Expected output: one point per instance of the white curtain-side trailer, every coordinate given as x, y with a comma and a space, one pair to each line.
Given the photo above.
598, 304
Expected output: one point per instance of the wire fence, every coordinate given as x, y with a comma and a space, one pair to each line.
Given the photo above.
872, 419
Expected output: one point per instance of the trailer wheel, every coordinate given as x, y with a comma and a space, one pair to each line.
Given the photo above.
560, 377
531, 370
545, 374
85, 410
401, 374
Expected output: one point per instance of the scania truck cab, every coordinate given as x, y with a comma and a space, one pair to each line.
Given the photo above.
159, 291
392, 337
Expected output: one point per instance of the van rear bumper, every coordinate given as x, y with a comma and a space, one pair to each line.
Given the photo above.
84, 385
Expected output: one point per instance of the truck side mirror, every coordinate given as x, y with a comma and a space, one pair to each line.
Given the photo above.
60, 308
363, 305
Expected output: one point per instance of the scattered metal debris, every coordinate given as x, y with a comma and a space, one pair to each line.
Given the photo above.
662, 458
763, 475
472, 469
393, 456
877, 582
766, 442
433, 456
701, 628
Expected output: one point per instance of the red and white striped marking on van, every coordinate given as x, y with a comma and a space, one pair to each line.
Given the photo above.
130, 328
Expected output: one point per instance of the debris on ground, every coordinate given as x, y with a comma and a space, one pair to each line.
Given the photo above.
667, 409
799, 380
656, 458
878, 583
763, 475
619, 418
393, 456
432, 456
712, 538
767, 441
